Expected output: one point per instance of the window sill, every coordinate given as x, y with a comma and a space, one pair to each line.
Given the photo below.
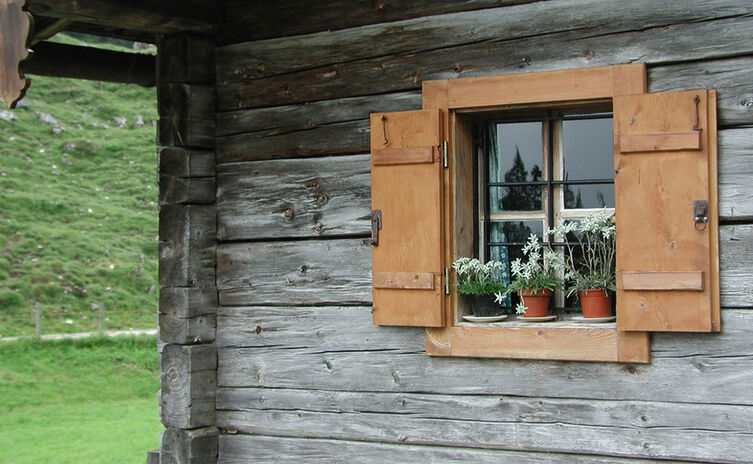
561, 341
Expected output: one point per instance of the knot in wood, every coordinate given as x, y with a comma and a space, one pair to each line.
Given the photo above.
318, 227
288, 213
322, 199
171, 374
746, 101
258, 329
589, 54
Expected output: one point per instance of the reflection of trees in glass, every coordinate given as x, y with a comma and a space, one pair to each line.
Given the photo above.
524, 198
516, 231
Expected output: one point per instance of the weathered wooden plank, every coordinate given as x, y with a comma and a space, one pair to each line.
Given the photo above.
157, 17
331, 126
321, 328
187, 245
576, 49
293, 17
61, 60
485, 408
186, 115
732, 78
186, 58
570, 426
180, 162
265, 58
735, 171
736, 256
338, 271
235, 449
295, 272
189, 381
187, 315
186, 190
292, 130
197, 446
690, 369
293, 198
152, 457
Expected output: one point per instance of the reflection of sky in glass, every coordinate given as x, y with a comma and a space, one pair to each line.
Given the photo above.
588, 154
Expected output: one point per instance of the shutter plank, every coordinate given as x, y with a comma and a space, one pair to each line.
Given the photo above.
406, 188
660, 142
662, 258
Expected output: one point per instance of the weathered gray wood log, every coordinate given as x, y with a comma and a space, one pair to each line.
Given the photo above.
338, 272
293, 17
186, 115
295, 272
327, 127
61, 60
292, 130
732, 78
186, 58
180, 162
187, 245
321, 329
626, 429
197, 446
157, 17
186, 190
187, 315
294, 198
189, 382
282, 198
265, 58
235, 449
152, 457
703, 369
576, 49
735, 174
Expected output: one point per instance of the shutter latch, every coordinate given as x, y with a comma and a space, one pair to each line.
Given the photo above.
376, 225
700, 214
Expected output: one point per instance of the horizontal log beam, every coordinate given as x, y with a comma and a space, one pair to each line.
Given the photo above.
307, 352
292, 17
563, 50
95, 64
162, 17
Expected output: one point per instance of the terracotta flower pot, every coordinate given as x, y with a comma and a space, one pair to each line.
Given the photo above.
595, 303
536, 302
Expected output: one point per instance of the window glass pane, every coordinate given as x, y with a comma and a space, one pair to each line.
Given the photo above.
588, 196
523, 198
516, 155
587, 149
515, 231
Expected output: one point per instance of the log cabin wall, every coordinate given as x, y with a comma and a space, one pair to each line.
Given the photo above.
303, 376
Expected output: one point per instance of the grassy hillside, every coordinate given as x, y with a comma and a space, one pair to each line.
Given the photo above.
76, 401
78, 223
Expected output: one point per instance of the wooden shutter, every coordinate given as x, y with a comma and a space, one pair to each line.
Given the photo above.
665, 161
406, 188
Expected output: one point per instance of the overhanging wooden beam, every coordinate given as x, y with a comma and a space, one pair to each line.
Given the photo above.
159, 17
59, 60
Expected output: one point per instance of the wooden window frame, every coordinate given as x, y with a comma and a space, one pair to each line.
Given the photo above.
458, 98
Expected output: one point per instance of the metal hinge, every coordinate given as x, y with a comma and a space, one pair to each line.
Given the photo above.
444, 153
446, 281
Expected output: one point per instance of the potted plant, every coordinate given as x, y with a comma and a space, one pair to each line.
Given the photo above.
535, 278
592, 274
479, 282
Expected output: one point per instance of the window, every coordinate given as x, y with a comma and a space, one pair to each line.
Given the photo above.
664, 156
534, 171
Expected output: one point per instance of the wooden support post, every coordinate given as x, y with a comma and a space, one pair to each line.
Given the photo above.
188, 244
152, 457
